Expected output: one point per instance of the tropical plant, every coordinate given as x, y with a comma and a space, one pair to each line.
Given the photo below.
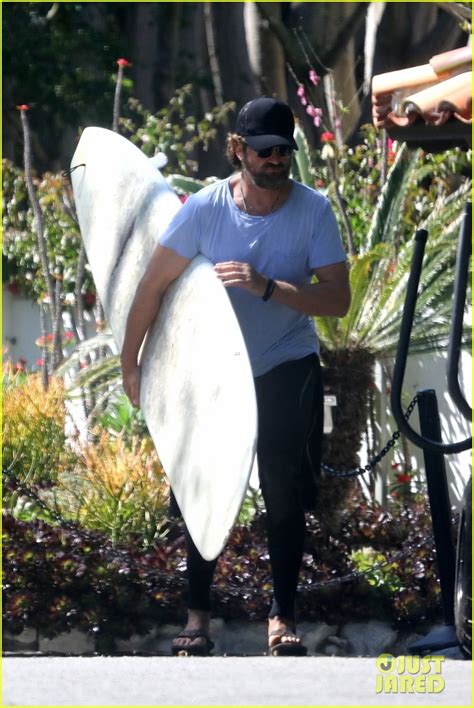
117, 487
34, 441
377, 223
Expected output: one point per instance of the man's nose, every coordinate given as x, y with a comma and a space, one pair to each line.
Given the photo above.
275, 156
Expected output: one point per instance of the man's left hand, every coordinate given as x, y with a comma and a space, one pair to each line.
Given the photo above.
241, 275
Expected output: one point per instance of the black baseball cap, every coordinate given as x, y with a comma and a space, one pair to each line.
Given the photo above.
266, 122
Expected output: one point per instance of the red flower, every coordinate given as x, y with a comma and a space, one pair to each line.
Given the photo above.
13, 288
20, 364
89, 299
23, 107
403, 478
124, 62
327, 136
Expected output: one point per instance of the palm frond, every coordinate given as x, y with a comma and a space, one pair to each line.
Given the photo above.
188, 185
302, 158
388, 207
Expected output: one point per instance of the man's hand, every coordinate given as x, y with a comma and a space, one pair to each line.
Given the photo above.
241, 275
131, 384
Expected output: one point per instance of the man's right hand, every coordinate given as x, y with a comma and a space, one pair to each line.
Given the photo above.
131, 385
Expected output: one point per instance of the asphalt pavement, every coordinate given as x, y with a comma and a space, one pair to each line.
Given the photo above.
230, 681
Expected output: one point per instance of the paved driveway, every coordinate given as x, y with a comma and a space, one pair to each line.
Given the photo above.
226, 681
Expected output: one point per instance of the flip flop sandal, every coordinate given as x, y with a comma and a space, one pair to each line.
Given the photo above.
286, 648
192, 649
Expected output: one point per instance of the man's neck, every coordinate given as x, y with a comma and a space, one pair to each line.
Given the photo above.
259, 200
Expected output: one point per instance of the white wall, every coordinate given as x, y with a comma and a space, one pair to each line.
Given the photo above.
20, 329
429, 371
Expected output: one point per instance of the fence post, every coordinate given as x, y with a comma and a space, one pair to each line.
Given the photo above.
440, 505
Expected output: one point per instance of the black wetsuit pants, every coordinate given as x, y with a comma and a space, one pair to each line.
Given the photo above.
290, 425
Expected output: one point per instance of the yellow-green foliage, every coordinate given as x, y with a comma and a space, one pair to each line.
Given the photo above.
34, 444
117, 487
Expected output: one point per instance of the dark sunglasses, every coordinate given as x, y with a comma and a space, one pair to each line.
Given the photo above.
282, 151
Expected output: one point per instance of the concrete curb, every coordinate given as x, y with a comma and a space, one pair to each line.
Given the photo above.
232, 638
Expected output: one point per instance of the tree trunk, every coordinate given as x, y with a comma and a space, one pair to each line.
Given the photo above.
267, 58
145, 41
349, 375
238, 81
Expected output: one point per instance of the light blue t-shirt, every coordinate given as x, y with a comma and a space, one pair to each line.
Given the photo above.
285, 245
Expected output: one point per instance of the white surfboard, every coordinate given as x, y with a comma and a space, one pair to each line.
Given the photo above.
197, 393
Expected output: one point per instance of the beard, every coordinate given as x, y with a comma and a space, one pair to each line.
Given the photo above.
268, 176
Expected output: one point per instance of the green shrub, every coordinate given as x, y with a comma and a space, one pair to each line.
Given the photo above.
34, 442
60, 578
118, 487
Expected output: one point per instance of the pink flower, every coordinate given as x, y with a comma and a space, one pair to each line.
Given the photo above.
124, 62
23, 107
183, 198
338, 123
314, 78
317, 121
39, 362
69, 335
313, 112
327, 137
300, 91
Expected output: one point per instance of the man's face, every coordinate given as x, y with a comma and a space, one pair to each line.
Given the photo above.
266, 172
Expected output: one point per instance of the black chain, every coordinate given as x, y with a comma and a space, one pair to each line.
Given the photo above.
322, 583
31, 494
360, 573
26, 491
377, 458
349, 577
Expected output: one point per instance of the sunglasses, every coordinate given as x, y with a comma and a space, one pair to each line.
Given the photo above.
281, 150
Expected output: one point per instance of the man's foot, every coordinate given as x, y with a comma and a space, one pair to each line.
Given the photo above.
194, 639
282, 639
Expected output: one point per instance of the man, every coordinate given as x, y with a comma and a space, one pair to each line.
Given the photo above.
267, 236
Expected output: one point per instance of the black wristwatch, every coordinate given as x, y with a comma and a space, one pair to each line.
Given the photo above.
271, 285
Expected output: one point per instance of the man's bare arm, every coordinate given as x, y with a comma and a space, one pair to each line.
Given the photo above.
165, 266
330, 296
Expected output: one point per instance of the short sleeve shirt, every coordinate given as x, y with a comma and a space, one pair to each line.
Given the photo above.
285, 245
